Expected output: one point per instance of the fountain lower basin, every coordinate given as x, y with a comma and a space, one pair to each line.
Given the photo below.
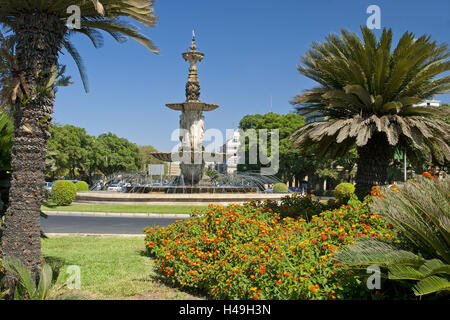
191, 189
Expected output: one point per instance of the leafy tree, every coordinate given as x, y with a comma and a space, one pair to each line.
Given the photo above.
295, 163
70, 148
41, 32
286, 124
367, 96
147, 158
119, 154
333, 170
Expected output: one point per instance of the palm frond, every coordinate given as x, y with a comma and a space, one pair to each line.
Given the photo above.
364, 80
421, 213
431, 285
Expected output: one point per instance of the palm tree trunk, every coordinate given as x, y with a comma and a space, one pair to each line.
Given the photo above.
39, 38
373, 161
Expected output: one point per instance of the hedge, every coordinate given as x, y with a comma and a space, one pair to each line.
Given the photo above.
280, 188
64, 192
344, 191
82, 186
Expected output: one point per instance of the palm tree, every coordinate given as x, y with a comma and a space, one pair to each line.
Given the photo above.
368, 95
9, 92
421, 212
40, 32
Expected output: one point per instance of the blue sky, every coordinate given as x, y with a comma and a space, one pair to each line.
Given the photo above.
252, 50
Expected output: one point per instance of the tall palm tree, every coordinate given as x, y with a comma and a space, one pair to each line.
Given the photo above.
40, 31
368, 95
10, 84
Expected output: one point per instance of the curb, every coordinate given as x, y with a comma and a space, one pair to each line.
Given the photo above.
94, 235
117, 215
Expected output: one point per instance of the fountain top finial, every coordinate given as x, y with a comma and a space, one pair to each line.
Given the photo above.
193, 55
192, 103
193, 46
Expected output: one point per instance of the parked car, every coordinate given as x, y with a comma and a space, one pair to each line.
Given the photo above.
115, 187
48, 186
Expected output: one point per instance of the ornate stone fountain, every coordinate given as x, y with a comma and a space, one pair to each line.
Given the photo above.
191, 153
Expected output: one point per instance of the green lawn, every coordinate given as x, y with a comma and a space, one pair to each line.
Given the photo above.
111, 267
120, 208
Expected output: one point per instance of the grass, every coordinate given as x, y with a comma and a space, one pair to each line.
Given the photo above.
111, 267
123, 208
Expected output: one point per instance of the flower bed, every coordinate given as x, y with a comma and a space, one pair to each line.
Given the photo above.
250, 252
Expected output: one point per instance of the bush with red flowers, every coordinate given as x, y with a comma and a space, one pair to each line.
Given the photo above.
251, 252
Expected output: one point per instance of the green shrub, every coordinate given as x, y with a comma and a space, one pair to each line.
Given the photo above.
280, 188
343, 192
64, 192
250, 252
293, 206
82, 186
331, 203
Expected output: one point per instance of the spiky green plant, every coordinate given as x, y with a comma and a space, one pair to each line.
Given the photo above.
368, 96
421, 213
44, 289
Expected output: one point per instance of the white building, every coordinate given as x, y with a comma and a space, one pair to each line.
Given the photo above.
429, 103
230, 148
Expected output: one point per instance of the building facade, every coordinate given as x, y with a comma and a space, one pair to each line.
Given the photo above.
230, 148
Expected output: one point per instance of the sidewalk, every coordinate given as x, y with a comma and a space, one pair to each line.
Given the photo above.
116, 214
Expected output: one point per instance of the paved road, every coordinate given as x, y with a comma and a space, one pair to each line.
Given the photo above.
100, 225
